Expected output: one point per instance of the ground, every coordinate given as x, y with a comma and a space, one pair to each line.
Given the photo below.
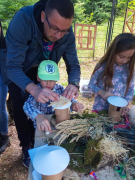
11, 166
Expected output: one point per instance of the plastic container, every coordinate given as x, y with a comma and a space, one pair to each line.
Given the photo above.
85, 92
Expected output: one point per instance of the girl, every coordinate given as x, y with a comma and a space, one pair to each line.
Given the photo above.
113, 75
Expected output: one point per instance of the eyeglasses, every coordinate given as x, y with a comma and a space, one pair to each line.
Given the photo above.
56, 30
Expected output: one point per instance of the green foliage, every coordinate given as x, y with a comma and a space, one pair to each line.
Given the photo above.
101, 11
92, 156
121, 7
76, 151
69, 146
103, 112
79, 12
131, 4
9, 7
64, 84
133, 102
83, 155
84, 115
88, 11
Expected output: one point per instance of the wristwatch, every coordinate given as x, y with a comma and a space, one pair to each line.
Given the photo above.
75, 84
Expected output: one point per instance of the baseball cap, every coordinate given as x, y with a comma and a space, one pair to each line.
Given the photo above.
48, 70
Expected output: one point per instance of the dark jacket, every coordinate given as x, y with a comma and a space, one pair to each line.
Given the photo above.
25, 47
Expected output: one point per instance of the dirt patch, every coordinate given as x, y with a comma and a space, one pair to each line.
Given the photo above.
11, 166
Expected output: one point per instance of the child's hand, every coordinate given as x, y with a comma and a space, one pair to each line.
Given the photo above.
77, 107
104, 94
43, 123
125, 110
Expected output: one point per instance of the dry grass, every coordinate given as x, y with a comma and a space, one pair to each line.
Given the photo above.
62, 102
113, 147
90, 126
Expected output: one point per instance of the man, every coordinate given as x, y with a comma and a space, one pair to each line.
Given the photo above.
38, 33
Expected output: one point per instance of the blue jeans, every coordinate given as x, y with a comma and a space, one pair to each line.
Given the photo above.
3, 111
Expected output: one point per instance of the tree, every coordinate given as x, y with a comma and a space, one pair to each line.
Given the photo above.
131, 4
121, 7
88, 11
80, 16
101, 11
9, 7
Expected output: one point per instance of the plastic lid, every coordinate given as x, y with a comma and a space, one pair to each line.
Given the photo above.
51, 160
117, 101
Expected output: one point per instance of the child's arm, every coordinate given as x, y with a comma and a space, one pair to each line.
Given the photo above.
43, 123
104, 94
94, 87
76, 106
31, 110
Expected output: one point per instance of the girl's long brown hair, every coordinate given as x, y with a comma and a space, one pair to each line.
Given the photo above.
121, 43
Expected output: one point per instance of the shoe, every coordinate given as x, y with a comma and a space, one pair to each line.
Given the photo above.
4, 142
26, 157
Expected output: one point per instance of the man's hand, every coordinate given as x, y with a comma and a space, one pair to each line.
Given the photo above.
41, 94
70, 92
125, 110
104, 94
77, 107
43, 123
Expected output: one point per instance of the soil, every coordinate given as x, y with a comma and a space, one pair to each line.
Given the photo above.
11, 166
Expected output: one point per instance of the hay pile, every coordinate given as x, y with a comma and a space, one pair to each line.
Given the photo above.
113, 147
62, 102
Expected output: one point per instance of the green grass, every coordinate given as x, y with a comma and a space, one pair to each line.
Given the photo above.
64, 84
84, 55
